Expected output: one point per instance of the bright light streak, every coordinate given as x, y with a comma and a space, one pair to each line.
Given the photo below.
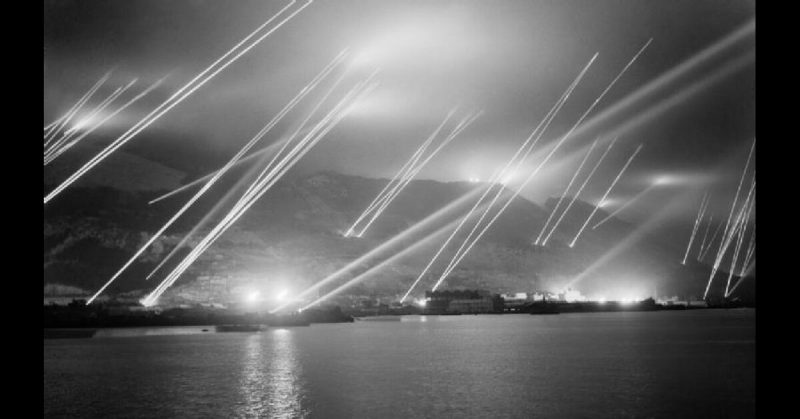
627, 204
751, 247
705, 236
206, 218
404, 171
230, 164
81, 122
713, 239
519, 158
56, 129
547, 158
265, 183
630, 159
664, 79
463, 124
742, 229
727, 241
388, 244
175, 99
56, 151
564, 194
724, 242
700, 213
578, 193
447, 241
379, 266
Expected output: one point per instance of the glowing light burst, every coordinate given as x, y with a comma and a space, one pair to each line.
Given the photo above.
629, 203
62, 146
616, 179
56, 129
179, 96
252, 297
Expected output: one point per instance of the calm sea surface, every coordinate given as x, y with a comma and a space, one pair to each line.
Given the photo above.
697, 363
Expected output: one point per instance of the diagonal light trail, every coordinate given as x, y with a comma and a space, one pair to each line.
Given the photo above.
626, 205
580, 189
57, 149
66, 135
723, 242
206, 218
545, 160
464, 219
742, 229
404, 170
713, 239
361, 277
107, 118
616, 179
263, 185
564, 194
726, 241
738, 190
271, 124
705, 236
697, 221
751, 247
176, 98
462, 125
519, 157
56, 129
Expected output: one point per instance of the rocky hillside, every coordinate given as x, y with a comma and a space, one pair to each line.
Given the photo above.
293, 237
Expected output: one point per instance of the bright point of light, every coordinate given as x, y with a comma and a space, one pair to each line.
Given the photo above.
601, 300
474, 180
662, 180
422, 302
573, 295
281, 295
82, 123
604, 203
252, 297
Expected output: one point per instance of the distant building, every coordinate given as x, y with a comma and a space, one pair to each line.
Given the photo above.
462, 301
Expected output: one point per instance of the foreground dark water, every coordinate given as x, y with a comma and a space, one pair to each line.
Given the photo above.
606, 365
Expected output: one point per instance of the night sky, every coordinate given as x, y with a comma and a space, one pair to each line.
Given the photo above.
510, 58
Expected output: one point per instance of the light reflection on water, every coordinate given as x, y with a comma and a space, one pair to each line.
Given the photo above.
270, 384
660, 364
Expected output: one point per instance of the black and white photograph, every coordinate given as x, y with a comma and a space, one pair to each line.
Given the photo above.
399, 208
